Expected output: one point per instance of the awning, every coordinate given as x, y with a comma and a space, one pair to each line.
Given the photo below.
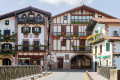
106, 56
99, 57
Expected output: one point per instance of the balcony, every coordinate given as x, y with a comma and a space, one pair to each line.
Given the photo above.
7, 38
7, 52
69, 34
81, 48
30, 21
80, 21
95, 38
31, 48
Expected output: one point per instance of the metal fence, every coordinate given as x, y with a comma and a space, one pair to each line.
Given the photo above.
13, 72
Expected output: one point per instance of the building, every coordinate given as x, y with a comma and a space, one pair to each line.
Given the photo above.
68, 45
26, 34
105, 39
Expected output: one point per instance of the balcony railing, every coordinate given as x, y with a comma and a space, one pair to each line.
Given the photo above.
7, 51
30, 21
31, 48
85, 48
80, 21
70, 34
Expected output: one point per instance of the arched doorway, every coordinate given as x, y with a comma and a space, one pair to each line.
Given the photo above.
6, 61
81, 62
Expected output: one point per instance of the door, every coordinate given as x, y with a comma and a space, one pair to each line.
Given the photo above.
25, 47
63, 30
95, 66
82, 44
36, 45
75, 30
60, 63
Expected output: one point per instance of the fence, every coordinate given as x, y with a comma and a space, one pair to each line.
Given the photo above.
13, 72
104, 71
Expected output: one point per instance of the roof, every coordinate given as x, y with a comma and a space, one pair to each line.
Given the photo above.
112, 38
90, 9
93, 22
14, 13
106, 20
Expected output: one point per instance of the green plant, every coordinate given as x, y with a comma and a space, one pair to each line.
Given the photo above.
36, 33
73, 35
25, 32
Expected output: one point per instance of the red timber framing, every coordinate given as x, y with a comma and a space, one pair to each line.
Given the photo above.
78, 28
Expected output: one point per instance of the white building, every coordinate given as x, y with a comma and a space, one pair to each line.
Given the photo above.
68, 45
106, 42
30, 43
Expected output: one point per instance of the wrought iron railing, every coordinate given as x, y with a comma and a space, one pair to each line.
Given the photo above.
30, 20
69, 34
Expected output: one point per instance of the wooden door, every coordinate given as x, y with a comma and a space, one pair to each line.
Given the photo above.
60, 63
63, 30
82, 44
25, 47
75, 30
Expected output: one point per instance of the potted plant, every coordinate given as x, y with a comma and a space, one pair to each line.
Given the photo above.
36, 33
25, 32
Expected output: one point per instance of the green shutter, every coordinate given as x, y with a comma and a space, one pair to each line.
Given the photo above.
107, 46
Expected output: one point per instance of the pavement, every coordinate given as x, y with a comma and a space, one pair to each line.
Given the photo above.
95, 76
66, 75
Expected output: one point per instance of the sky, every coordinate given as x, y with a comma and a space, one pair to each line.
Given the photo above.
111, 7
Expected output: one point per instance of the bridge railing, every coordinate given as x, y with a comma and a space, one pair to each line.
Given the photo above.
13, 72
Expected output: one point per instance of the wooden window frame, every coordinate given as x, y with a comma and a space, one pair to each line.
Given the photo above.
65, 17
22, 29
95, 49
107, 46
100, 48
33, 29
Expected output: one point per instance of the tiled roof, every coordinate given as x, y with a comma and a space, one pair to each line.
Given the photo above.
112, 37
106, 20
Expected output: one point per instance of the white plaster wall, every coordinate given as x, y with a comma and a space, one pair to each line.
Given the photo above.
111, 30
21, 35
10, 27
117, 47
117, 62
98, 27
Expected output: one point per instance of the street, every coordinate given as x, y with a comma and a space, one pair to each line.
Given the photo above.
65, 75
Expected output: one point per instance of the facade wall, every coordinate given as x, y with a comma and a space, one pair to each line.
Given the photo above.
117, 61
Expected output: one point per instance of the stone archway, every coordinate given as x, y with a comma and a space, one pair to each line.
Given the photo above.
7, 59
81, 61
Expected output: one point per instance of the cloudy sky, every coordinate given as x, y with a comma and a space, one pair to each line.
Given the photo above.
111, 7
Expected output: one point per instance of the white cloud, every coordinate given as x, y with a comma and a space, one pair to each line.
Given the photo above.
71, 2
22, 2
89, 1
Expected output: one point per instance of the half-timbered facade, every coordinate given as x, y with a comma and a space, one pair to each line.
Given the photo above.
30, 26
68, 45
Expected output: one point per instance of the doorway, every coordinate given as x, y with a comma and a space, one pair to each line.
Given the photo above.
6, 61
60, 63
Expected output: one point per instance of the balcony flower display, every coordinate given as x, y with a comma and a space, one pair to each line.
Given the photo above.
26, 32
36, 33
90, 37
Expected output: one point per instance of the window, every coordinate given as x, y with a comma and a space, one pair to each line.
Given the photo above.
6, 22
36, 45
95, 49
65, 17
31, 16
36, 29
99, 16
25, 47
106, 62
100, 48
107, 46
63, 43
25, 29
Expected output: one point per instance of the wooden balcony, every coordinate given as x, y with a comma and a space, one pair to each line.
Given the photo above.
30, 20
